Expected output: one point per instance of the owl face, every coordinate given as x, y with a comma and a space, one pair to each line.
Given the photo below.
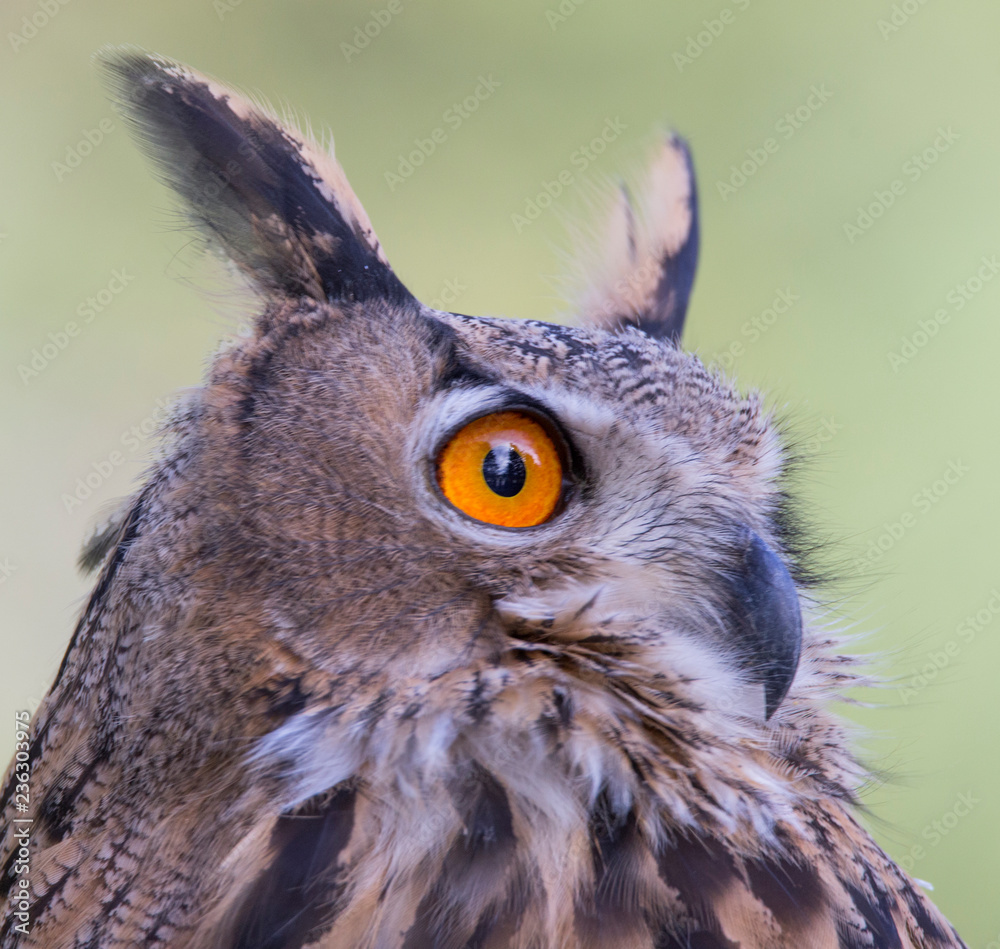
329, 440
436, 630
656, 480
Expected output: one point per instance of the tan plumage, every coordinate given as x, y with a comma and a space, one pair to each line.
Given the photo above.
311, 703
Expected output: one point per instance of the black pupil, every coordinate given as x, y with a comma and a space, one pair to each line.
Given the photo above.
504, 471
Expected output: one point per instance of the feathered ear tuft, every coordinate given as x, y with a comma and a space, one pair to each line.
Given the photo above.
649, 258
279, 206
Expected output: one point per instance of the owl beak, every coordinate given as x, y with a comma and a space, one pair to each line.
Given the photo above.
768, 619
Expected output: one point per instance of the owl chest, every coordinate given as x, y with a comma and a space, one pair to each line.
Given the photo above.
494, 838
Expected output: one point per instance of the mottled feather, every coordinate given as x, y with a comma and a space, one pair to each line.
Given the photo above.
310, 703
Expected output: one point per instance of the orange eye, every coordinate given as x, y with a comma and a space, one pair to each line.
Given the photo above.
503, 469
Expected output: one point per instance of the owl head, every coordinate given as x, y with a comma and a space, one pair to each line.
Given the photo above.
394, 486
433, 629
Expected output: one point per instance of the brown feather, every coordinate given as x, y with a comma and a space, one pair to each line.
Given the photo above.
312, 704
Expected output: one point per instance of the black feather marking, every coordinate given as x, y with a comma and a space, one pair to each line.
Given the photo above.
698, 939
614, 913
295, 899
282, 697
926, 922
489, 824
700, 870
452, 368
58, 807
98, 598
94, 607
458, 373
673, 292
247, 183
498, 924
557, 718
562, 701
474, 896
791, 891
101, 542
38, 907
663, 317
477, 703
876, 910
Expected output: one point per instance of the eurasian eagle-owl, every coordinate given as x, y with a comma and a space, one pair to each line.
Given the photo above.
431, 631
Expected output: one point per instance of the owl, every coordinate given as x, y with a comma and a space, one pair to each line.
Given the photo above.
433, 631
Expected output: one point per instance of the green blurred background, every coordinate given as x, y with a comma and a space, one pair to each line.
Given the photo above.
904, 93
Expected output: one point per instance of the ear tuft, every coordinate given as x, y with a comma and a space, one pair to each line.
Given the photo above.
649, 258
279, 206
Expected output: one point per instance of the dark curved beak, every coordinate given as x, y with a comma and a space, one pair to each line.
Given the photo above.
768, 619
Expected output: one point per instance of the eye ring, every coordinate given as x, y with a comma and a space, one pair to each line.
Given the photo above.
507, 468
